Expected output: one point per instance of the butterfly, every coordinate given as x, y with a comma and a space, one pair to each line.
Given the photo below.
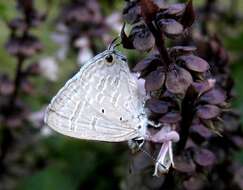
102, 102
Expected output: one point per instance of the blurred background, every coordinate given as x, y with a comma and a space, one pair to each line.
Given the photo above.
43, 43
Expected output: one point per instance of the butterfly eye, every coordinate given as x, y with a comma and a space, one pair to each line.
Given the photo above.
109, 58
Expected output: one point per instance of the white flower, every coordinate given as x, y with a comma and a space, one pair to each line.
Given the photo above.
165, 158
82, 42
49, 68
85, 53
114, 21
36, 118
46, 131
61, 37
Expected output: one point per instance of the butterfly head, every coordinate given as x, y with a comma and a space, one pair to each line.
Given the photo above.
113, 56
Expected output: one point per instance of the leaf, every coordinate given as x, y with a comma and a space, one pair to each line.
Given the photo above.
204, 86
170, 27
194, 63
188, 16
238, 141
194, 183
157, 106
175, 9
178, 80
143, 64
201, 130
214, 96
208, 111
27, 86
204, 157
17, 24
6, 85
143, 39
148, 9
184, 164
171, 117
132, 12
238, 174
155, 80
25, 46
181, 50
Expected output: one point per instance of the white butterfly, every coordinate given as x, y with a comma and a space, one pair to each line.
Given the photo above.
101, 102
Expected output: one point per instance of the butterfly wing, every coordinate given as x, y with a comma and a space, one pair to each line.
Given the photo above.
87, 108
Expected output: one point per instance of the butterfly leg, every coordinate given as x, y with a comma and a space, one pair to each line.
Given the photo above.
152, 123
136, 144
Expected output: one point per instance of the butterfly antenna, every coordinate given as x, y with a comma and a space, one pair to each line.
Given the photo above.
113, 44
151, 157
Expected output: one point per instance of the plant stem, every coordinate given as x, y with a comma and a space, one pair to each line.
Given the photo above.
160, 44
17, 82
187, 113
6, 142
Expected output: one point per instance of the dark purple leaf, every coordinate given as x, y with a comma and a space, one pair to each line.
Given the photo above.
178, 80
201, 130
26, 46
190, 144
143, 40
85, 13
143, 64
27, 86
202, 87
175, 9
238, 141
33, 69
17, 24
184, 164
194, 63
231, 121
6, 85
132, 12
181, 50
170, 27
157, 106
194, 183
238, 176
14, 121
208, 111
214, 96
171, 117
204, 157
155, 80
189, 15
